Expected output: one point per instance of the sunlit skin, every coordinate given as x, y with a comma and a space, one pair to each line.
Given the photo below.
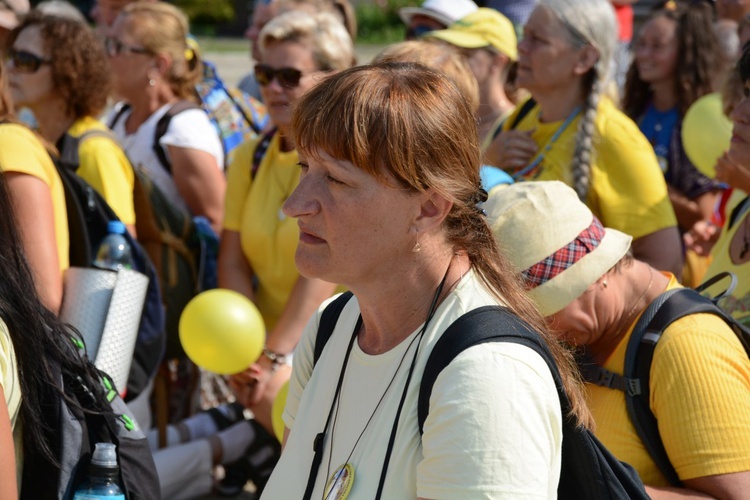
129, 69
31, 88
546, 58
731, 168
656, 50
732, 9
351, 224
262, 13
104, 13
279, 99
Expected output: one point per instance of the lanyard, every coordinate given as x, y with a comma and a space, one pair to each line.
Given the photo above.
540, 156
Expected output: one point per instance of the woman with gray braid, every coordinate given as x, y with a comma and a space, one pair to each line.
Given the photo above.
572, 132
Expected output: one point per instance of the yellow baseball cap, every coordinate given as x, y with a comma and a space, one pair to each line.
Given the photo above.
482, 28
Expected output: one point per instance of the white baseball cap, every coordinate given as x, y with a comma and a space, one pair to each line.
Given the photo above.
446, 12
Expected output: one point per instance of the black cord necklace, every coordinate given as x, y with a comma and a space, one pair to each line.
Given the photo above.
340, 483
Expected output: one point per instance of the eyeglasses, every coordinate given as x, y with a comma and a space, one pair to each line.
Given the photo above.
25, 62
115, 47
287, 77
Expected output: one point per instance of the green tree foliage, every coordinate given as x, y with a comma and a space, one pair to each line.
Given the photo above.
378, 21
207, 12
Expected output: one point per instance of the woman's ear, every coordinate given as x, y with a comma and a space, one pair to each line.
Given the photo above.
587, 58
162, 63
500, 61
433, 209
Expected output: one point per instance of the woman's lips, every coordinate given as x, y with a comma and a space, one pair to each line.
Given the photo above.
309, 238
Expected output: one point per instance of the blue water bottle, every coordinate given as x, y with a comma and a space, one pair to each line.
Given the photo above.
103, 475
114, 251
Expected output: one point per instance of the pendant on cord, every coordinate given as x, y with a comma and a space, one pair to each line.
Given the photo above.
340, 483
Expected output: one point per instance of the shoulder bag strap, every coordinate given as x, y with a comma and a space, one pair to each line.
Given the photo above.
161, 128
260, 151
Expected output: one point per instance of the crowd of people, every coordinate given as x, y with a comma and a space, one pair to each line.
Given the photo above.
524, 154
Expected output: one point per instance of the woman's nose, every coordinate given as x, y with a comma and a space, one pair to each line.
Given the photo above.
301, 202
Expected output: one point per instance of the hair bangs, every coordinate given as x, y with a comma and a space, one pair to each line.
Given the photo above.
380, 118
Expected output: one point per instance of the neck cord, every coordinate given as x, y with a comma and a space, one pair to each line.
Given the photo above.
335, 417
540, 156
320, 437
634, 309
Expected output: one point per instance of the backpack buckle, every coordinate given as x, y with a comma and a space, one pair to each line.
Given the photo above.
633, 387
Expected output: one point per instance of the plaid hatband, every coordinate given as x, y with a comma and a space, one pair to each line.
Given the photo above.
583, 244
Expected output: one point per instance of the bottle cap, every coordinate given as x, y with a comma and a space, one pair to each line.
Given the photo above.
105, 455
115, 227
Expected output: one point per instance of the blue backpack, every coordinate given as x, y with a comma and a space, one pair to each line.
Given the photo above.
236, 116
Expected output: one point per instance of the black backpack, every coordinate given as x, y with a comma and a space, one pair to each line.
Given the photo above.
75, 434
589, 470
88, 215
662, 312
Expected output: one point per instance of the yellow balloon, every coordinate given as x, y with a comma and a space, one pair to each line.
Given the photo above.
222, 331
277, 410
706, 133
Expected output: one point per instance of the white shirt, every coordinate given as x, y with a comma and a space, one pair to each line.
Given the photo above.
494, 429
190, 129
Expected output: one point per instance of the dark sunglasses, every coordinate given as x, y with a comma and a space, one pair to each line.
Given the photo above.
115, 47
25, 62
415, 32
287, 77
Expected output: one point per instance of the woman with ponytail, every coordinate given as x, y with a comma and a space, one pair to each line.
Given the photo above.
571, 131
154, 68
389, 204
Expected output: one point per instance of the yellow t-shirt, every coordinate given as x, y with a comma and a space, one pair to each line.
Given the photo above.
700, 394
21, 151
103, 164
268, 238
738, 303
628, 191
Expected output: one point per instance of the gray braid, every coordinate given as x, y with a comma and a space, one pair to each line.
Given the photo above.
584, 152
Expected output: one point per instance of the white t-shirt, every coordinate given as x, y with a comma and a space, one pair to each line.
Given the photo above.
494, 429
190, 129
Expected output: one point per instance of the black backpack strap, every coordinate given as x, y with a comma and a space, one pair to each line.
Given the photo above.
239, 107
738, 211
588, 470
161, 128
67, 147
484, 324
117, 116
662, 312
328, 319
260, 151
525, 109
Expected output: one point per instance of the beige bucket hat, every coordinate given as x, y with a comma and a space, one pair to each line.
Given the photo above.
554, 239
